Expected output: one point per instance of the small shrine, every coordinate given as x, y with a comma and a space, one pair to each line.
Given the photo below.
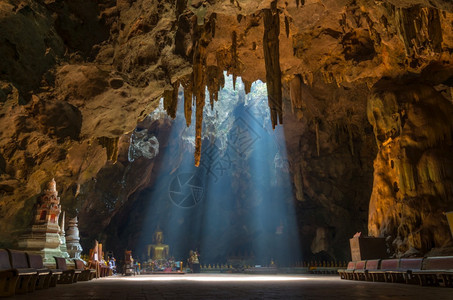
73, 239
46, 237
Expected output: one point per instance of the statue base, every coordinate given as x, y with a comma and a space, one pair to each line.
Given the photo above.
45, 244
36, 241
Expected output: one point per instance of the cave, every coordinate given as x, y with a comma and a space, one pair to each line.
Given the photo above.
262, 135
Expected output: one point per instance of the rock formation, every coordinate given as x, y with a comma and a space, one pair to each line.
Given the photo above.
412, 172
78, 80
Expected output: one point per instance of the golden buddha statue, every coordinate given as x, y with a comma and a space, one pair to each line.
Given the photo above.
158, 250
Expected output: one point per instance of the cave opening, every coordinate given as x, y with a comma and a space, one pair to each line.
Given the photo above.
236, 207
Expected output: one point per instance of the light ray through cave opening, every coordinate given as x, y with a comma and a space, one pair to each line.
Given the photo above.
237, 207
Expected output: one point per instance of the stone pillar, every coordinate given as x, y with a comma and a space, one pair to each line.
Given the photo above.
64, 250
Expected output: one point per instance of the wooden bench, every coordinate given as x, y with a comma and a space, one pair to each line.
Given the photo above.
86, 274
8, 276
42, 278
371, 265
359, 271
46, 277
435, 270
27, 276
348, 272
383, 274
342, 272
68, 275
407, 266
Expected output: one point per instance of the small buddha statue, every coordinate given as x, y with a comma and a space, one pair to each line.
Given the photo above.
158, 250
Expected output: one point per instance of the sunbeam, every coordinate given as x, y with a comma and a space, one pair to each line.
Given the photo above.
235, 208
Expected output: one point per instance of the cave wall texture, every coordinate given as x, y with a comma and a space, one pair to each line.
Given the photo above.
365, 98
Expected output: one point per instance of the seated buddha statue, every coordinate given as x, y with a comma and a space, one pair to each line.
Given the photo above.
158, 250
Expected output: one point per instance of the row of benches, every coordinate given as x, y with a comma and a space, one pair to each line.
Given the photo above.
22, 272
424, 271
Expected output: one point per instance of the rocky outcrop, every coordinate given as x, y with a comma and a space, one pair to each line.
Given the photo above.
412, 172
30, 44
330, 151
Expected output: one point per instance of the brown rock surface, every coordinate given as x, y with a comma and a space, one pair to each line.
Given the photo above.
412, 172
330, 152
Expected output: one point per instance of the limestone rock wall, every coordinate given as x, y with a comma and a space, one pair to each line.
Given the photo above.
65, 104
330, 150
412, 172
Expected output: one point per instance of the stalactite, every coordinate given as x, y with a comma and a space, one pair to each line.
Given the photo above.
300, 3
214, 75
221, 79
296, 92
111, 146
212, 22
201, 77
287, 26
171, 100
199, 62
188, 99
272, 61
215, 81
247, 86
317, 136
234, 50
198, 130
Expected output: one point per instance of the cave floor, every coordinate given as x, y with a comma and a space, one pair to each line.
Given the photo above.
220, 286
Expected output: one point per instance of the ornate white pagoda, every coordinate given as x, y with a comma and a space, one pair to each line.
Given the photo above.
45, 236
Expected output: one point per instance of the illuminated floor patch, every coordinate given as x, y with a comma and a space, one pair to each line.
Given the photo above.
211, 278
235, 286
